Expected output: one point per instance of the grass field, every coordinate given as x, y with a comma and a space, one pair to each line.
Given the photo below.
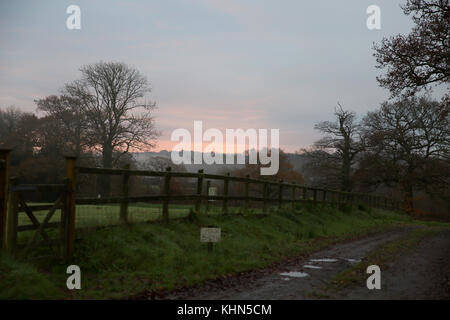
104, 215
121, 261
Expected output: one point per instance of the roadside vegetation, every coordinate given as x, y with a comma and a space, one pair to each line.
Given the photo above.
122, 261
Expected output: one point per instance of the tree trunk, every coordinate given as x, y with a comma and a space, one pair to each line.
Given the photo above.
408, 199
105, 180
345, 171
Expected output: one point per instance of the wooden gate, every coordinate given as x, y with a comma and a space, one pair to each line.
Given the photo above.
13, 206
17, 206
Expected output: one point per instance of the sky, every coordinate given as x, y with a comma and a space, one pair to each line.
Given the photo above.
230, 63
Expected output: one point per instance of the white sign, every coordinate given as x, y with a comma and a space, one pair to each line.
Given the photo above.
209, 234
212, 191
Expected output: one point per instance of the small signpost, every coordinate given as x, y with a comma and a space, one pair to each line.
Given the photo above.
212, 191
210, 235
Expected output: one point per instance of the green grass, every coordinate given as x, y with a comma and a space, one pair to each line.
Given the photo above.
120, 261
103, 215
23, 281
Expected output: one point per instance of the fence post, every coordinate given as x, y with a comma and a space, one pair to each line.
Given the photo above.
166, 191
315, 195
247, 185
63, 234
280, 194
324, 195
125, 189
208, 184
4, 177
225, 194
198, 202
304, 193
70, 202
12, 218
265, 197
293, 197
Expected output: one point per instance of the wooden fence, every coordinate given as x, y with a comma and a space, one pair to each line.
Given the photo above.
11, 203
318, 194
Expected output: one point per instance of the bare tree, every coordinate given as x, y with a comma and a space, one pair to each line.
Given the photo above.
421, 58
64, 127
119, 117
286, 172
338, 149
408, 143
18, 131
9, 120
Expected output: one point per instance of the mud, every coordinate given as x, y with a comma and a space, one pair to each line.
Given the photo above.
418, 274
423, 273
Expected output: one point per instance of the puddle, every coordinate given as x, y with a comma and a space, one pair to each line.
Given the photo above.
295, 274
323, 260
353, 260
308, 266
286, 279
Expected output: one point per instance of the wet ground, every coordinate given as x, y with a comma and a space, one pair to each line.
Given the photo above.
422, 273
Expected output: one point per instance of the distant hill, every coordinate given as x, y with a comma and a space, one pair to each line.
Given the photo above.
297, 160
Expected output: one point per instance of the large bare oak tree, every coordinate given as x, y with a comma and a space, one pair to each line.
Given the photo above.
408, 143
112, 97
335, 153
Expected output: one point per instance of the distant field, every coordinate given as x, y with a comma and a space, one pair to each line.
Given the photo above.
103, 215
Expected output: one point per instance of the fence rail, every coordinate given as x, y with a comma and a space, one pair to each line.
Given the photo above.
327, 195
12, 203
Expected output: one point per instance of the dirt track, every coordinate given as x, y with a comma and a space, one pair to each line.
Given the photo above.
420, 274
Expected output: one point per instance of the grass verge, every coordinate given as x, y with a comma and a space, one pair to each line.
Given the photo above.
121, 261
